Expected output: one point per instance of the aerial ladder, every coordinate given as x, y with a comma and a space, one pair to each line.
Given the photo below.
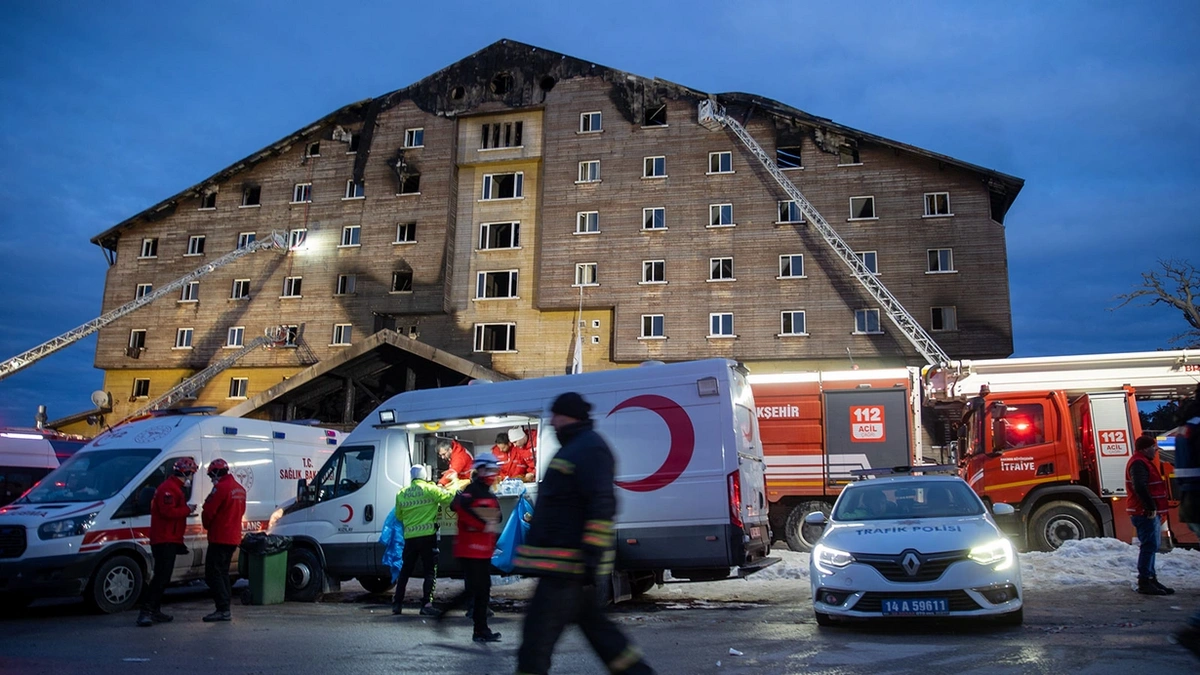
275, 241
713, 117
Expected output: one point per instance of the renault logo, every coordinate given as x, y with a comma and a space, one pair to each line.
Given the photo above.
911, 563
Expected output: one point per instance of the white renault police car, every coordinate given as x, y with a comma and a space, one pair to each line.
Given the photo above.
909, 545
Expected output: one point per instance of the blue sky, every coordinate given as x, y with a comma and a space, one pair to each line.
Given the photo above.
107, 108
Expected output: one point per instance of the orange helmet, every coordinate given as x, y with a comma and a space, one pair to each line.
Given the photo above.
186, 466
218, 467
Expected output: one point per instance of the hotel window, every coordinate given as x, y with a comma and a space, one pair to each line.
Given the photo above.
495, 337
406, 233
149, 248
788, 157
241, 289
494, 285
411, 184
721, 325
501, 135
402, 281
141, 387
302, 193
238, 387
208, 201
937, 204
235, 336
862, 208
137, 338
352, 147
143, 290
183, 338
251, 195
297, 237
656, 116
414, 138
190, 292
341, 333
350, 235
652, 326
345, 284
848, 156
246, 238
291, 336
654, 218
866, 322
940, 260
589, 122
654, 272
313, 149
354, 189
585, 274
791, 266
943, 318
720, 215
291, 287
789, 212
589, 171
720, 162
499, 235
654, 167
720, 269
792, 323
587, 222
504, 185
195, 245
870, 259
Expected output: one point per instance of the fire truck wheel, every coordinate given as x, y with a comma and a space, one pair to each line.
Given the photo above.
1057, 522
376, 584
305, 576
801, 537
116, 585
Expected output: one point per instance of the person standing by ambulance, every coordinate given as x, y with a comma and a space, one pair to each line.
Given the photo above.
479, 520
222, 517
1147, 502
570, 547
417, 508
169, 512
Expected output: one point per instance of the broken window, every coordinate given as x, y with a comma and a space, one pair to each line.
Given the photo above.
847, 154
414, 138
291, 336
585, 274
251, 195
208, 201
720, 269
656, 116
411, 184
499, 235
402, 282
149, 248
501, 135
406, 233
788, 158
943, 318
720, 162
504, 185
491, 285
495, 337
654, 218
137, 338
313, 149
937, 204
862, 208
195, 245
501, 83
587, 222
353, 145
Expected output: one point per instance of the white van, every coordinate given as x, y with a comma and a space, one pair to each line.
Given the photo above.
27, 455
83, 530
689, 476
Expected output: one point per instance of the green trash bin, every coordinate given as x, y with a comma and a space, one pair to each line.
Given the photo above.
267, 575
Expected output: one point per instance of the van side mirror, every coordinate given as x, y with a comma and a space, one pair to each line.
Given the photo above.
301, 491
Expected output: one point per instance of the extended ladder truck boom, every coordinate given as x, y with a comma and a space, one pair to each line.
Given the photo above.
713, 117
276, 241
193, 384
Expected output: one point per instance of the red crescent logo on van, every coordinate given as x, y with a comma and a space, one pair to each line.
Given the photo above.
683, 441
349, 513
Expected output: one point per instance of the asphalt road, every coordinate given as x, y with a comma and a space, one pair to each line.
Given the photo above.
681, 628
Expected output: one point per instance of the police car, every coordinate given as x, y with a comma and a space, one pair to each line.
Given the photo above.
912, 543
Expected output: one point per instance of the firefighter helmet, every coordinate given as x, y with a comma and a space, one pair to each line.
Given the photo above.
186, 466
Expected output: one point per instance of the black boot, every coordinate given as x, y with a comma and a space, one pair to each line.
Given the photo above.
160, 617
486, 636
1146, 586
1165, 589
145, 618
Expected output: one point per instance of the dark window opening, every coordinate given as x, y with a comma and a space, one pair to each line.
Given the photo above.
547, 83
251, 195
402, 282
848, 155
502, 83
457, 93
411, 184
495, 337
501, 135
209, 201
353, 142
656, 116
788, 158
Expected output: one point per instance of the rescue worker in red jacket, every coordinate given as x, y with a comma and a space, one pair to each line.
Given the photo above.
456, 455
521, 460
1147, 502
478, 528
169, 511
222, 517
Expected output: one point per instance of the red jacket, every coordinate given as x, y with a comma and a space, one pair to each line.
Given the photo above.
168, 512
1154, 483
478, 521
515, 463
460, 463
223, 511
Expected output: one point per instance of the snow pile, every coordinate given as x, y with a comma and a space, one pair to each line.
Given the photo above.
793, 566
1103, 561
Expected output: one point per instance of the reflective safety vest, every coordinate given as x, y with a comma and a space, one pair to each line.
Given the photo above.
1154, 482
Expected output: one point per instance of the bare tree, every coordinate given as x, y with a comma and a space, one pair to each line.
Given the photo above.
1177, 285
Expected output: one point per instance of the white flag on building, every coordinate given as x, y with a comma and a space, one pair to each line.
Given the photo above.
577, 354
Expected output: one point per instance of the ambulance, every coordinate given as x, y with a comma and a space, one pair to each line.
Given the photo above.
689, 479
83, 530
27, 455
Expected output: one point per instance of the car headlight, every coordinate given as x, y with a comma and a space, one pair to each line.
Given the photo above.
824, 558
67, 527
998, 553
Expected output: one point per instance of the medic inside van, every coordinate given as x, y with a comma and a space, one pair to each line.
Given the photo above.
90, 476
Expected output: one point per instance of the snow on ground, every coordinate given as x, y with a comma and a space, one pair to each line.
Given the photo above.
1104, 561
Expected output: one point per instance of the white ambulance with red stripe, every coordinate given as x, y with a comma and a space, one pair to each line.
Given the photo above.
83, 530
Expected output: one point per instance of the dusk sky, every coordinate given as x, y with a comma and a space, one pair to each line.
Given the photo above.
108, 108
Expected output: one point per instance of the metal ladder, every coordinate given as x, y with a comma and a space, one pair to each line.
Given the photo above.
276, 241
713, 118
193, 384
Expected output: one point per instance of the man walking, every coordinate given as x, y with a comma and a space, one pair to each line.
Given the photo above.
222, 517
570, 546
1147, 502
417, 510
478, 528
169, 511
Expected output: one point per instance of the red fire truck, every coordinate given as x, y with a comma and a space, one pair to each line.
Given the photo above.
1052, 435
816, 427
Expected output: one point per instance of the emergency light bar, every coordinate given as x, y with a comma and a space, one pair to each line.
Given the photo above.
860, 474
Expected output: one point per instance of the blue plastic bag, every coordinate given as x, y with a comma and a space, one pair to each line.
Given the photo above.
512, 536
392, 538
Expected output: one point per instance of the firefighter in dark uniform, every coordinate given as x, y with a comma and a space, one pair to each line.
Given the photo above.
570, 547
1187, 476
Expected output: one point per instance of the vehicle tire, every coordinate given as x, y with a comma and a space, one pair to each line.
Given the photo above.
376, 585
823, 619
1012, 618
1060, 521
116, 585
305, 576
801, 537
641, 585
